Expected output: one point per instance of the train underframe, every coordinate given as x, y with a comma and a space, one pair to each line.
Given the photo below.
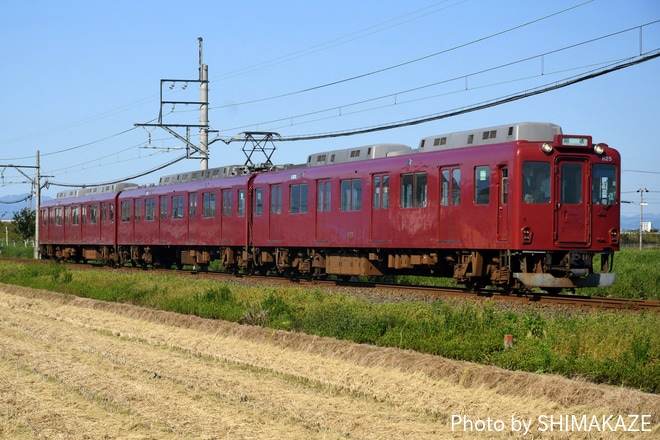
511, 271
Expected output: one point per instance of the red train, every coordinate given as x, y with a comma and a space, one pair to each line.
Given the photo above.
515, 206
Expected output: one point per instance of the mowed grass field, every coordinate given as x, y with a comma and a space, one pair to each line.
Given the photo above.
610, 347
77, 368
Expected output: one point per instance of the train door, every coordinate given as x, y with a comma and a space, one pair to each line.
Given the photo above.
572, 220
503, 203
449, 206
380, 205
275, 222
323, 214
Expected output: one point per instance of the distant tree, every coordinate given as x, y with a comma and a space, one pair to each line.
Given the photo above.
24, 223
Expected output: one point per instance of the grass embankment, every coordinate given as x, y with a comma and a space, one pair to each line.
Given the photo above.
619, 348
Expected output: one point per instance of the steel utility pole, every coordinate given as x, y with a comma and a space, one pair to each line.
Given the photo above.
37, 193
641, 192
203, 103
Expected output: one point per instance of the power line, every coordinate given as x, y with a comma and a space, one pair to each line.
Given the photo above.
446, 81
123, 179
405, 63
483, 105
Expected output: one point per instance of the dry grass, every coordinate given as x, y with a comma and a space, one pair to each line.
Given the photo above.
78, 368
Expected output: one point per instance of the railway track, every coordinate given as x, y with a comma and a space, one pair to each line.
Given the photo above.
384, 292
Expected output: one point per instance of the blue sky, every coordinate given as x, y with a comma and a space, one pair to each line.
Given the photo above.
76, 77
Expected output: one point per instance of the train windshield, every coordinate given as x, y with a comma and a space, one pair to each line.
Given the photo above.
604, 184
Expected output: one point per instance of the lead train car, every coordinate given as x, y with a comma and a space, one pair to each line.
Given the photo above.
516, 206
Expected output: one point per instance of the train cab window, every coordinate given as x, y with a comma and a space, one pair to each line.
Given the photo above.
226, 203
604, 184
536, 182
351, 195
482, 185
381, 188
298, 199
150, 209
323, 196
93, 213
137, 210
177, 206
258, 201
414, 190
571, 183
241, 203
192, 205
208, 201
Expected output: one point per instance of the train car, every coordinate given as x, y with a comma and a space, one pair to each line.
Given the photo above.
81, 223
516, 206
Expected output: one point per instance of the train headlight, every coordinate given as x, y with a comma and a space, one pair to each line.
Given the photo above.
614, 236
546, 148
527, 234
599, 149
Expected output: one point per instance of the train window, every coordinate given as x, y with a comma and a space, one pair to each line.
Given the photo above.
258, 201
504, 190
192, 205
456, 186
482, 185
83, 216
351, 195
104, 212
450, 191
177, 206
571, 183
413, 190
604, 184
208, 210
298, 198
163, 207
111, 215
381, 197
536, 182
323, 196
93, 214
137, 210
126, 211
226, 202
74, 215
276, 199
58, 216
241, 203
150, 209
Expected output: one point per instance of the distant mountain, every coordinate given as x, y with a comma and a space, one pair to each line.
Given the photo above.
15, 202
631, 222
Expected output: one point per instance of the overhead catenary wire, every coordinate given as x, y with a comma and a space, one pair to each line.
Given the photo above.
484, 105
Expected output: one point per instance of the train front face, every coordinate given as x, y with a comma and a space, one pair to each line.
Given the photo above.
568, 213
